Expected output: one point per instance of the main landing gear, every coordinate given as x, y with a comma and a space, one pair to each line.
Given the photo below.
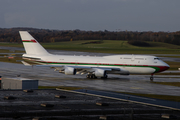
152, 78
105, 77
91, 76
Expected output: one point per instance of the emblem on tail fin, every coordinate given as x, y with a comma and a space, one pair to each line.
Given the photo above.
34, 41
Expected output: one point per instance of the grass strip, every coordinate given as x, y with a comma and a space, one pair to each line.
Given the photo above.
60, 87
12, 60
162, 97
170, 56
170, 73
107, 46
177, 84
9, 51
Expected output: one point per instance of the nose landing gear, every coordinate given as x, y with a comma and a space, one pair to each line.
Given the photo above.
152, 78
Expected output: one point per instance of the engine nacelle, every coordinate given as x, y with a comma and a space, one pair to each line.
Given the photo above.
69, 71
100, 73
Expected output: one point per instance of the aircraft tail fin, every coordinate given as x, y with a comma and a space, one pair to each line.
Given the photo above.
31, 46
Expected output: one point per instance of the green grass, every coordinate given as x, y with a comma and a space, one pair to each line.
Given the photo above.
170, 56
163, 97
60, 87
6, 44
177, 84
170, 73
108, 46
117, 47
8, 51
14, 60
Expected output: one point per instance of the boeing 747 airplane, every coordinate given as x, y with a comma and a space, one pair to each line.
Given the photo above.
92, 66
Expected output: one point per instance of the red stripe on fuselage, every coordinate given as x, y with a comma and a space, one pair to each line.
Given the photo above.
161, 68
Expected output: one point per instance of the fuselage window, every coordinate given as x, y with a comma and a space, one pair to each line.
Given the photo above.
139, 58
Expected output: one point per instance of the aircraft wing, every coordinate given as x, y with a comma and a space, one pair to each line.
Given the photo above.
86, 69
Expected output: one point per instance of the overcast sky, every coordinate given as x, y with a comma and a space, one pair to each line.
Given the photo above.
112, 15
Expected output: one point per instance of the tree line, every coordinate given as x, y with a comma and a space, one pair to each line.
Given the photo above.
46, 35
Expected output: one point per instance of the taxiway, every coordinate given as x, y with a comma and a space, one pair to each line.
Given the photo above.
131, 83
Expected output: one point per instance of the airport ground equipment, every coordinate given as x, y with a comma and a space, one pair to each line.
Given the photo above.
19, 83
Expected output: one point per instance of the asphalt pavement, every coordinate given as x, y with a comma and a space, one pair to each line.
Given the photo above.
131, 83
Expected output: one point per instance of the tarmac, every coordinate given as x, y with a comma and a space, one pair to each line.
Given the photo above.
118, 83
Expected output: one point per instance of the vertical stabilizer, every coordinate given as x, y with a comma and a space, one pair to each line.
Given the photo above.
31, 46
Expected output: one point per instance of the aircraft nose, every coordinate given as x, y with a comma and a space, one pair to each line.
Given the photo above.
163, 68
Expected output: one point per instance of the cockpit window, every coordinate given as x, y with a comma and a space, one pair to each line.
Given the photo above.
156, 58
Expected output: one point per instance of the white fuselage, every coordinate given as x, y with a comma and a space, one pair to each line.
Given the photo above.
92, 66
135, 64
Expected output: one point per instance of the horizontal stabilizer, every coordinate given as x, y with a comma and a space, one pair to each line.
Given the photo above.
25, 63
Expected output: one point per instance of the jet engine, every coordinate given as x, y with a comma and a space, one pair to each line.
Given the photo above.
100, 73
69, 71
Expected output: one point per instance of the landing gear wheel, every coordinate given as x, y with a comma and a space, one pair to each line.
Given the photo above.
91, 76
88, 76
105, 77
152, 78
